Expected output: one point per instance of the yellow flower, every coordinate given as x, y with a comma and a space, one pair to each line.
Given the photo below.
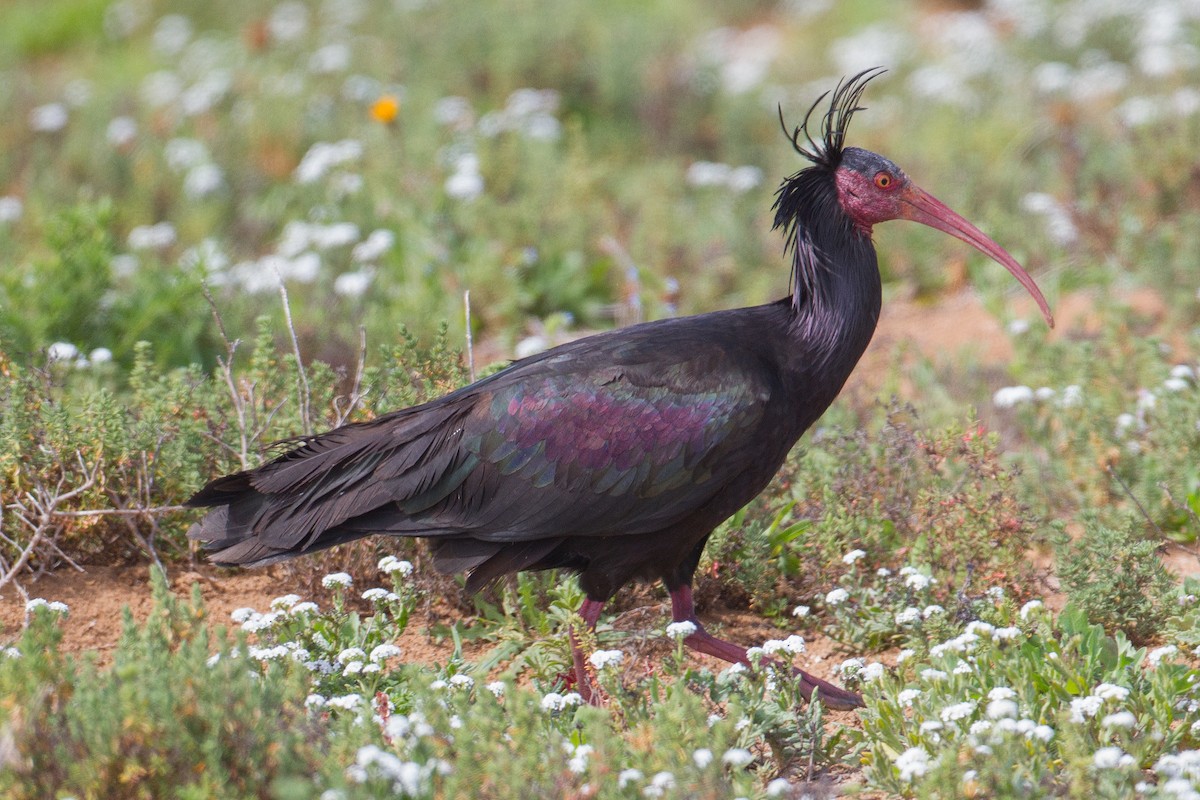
386, 109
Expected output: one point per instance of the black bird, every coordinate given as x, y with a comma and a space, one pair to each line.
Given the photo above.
614, 456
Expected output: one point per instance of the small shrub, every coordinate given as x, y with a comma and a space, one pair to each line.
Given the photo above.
1115, 578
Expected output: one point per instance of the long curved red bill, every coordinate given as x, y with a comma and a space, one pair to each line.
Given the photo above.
920, 206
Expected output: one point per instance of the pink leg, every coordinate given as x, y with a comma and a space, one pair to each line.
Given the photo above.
583, 682
684, 610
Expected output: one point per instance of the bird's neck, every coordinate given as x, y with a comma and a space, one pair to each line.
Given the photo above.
836, 293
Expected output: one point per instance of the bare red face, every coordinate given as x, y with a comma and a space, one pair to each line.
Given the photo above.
870, 198
872, 189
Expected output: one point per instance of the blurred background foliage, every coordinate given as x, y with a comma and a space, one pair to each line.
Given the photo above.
571, 165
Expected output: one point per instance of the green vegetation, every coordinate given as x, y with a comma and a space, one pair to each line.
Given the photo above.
171, 167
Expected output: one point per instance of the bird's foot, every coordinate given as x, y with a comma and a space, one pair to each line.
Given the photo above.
832, 696
683, 610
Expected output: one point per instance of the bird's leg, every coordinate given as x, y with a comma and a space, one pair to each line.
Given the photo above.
684, 610
590, 611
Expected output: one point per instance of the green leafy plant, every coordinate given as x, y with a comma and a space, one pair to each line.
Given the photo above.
1114, 578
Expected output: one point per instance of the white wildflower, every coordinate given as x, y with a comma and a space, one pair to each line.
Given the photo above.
853, 556
871, 672
240, 615
267, 653
258, 622
1010, 396
1018, 326
1029, 608
958, 711
1071, 395
1121, 719
917, 581
346, 701
1109, 691
912, 763
904, 655
980, 628
998, 709
1175, 384
461, 681
702, 757
371, 249
578, 761
62, 351
284, 602
152, 237
905, 697
1183, 371
333, 57
455, 112
56, 606
1084, 707
793, 644
681, 630
778, 787
628, 776
1110, 758
337, 579
603, 659
121, 131
1005, 634
908, 616
203, 180
48, 118
288, 21
324, 156
1042, 733
737, 757
849, 667
305, 607
800, 611
660, 783
1156, 655
466, 182
383, 652
837, 597
390, 564
553, 701
375, 593
11, 208
706, 173
351, 654
933, 675
931, 610
496, 688
1001, 693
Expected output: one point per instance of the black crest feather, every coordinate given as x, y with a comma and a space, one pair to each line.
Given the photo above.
842, 105
806, 204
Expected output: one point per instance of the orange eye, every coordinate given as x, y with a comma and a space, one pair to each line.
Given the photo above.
883, 180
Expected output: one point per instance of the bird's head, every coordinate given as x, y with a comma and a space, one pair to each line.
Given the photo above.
870, 189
